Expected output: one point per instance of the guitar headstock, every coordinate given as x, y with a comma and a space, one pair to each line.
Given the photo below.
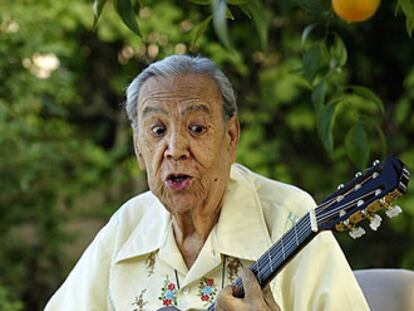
365, 195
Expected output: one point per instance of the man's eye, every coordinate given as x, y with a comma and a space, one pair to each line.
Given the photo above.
158, 130
197, 129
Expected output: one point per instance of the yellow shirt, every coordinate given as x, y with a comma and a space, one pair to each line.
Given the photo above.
134, 264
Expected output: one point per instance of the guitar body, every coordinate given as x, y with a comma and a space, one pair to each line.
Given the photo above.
359, 199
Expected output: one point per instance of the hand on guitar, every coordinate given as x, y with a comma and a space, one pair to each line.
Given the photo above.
255, 298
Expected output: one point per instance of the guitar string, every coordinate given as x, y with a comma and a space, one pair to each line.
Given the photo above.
274, 251
288, 244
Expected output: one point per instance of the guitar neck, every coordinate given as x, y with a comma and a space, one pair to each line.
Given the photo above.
359, 199
274, 259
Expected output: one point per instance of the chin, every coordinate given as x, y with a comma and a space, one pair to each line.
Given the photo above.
180, 203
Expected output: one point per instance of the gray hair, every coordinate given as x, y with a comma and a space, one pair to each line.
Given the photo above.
174, 66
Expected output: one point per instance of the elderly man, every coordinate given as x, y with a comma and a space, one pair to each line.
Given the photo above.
182, 244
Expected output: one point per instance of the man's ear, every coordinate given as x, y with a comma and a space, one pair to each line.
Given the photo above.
138, 153
233, 132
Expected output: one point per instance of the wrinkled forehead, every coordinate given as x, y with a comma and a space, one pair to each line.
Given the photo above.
182, 89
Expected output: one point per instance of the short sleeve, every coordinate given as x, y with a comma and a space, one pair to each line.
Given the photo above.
86, 287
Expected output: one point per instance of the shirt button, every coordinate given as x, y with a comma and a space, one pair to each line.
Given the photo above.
186, 291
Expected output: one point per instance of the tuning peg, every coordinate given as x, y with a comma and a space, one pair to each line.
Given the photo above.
375, 222
376, 162
393, 211
357, 174
356, 232
375, 175
340, 186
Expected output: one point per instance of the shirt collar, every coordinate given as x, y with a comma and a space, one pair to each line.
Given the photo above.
241, 230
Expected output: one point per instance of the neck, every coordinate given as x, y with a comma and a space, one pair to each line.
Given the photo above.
191, 230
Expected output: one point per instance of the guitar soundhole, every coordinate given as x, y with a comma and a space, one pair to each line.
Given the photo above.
168, 309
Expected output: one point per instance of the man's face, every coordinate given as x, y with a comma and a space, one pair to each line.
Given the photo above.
184, 143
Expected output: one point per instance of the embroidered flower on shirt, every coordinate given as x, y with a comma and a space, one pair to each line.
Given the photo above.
233, 266
150, 264
207, 290
168, 293
139, 301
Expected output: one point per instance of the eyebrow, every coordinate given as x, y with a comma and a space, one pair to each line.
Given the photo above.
193, 108
150, 110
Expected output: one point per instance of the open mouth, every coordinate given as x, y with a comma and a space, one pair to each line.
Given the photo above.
178, 181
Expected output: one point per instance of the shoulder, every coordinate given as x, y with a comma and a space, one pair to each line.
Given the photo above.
276, 193
132, 214
282, 204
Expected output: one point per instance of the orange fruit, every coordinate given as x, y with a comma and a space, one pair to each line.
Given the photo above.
355, 10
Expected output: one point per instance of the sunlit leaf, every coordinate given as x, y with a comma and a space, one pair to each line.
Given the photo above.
313, 60
357, 145
368, 95
338, 53
306, 32
402, 111
97, 10
220, 22
325, 121
126, 11
318, 96
199, 30
407, 7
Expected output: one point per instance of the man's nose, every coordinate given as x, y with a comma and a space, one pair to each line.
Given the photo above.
177, 147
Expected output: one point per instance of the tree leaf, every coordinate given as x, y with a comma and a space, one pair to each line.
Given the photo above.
325, 123
357, 145
318, 96
407, 7
125, 10
229, 14
261, 20
220, 22
314, 6
313, 60
306, 32
97, 10
200, 29
237, 2
368, 94
201, 2
338, 53
246, 10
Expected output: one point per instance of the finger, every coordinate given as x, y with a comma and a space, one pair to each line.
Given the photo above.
226, 301
251, 286
269, 299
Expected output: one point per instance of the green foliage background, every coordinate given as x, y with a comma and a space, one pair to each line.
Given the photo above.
66, 156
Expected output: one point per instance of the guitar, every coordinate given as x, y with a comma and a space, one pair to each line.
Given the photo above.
361, 198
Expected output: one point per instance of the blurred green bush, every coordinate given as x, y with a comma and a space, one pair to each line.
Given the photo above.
66, 156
